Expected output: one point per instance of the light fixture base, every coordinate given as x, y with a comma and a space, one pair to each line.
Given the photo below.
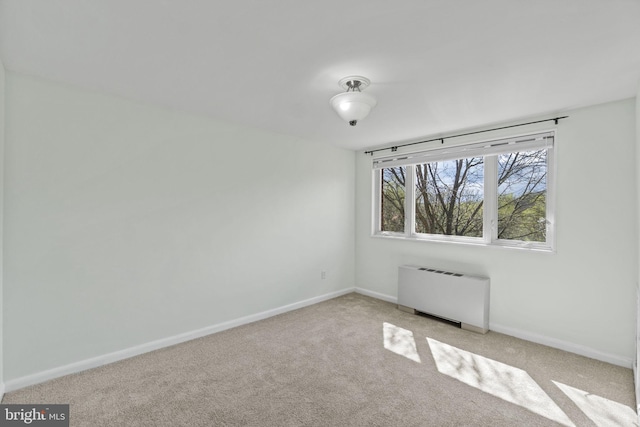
354, 82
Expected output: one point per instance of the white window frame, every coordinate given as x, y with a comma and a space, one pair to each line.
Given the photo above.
490, 150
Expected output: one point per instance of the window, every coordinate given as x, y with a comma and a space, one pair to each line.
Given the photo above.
522, 191
449, 197
392, 202
497, 192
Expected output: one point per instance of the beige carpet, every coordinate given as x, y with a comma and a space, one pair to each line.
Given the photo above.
350, 361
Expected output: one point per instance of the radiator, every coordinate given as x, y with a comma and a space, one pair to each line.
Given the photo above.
460, 298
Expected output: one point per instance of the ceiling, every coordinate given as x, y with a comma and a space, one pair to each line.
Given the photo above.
436, 66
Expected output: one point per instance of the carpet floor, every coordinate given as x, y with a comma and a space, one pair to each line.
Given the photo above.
349, 361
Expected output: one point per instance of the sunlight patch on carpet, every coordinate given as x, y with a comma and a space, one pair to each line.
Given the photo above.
498, 379
400, 341
602, 411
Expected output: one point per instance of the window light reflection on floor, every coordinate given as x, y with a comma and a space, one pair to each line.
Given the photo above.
603, 412
400, 341
498, 379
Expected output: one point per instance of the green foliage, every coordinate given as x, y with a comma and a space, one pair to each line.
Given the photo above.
522, 218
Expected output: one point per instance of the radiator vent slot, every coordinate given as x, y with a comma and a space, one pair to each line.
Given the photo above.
448, 273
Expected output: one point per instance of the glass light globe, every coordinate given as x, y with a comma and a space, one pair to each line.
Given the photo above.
353, 106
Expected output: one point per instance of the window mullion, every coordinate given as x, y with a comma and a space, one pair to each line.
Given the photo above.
551, 198
376, 194
490, 207
410, 202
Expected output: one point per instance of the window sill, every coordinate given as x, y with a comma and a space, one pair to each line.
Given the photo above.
522, 246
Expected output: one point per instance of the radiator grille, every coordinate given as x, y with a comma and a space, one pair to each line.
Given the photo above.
448, 273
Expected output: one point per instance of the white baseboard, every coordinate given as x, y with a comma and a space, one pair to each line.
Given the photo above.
377, 295
529, 336
105, 359
563, 345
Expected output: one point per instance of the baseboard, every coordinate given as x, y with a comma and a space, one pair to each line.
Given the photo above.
377, 295
18, 383
563, 345
83, 365
529, 336
1, 392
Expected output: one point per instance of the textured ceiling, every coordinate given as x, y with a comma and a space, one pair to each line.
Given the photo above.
435, 66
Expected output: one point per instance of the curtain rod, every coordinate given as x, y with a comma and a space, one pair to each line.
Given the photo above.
441, 139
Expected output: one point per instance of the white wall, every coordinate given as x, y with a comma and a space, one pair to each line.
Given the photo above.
582, 297
2, 110
637, 343
126, 223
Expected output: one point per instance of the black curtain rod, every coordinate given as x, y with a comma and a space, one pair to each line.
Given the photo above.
441, 139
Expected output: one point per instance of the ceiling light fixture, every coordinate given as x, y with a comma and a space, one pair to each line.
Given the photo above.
353, 105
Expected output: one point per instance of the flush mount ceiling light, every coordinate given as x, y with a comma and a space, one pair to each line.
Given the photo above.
353, 105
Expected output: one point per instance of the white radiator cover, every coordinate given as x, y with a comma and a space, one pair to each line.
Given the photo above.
453, 296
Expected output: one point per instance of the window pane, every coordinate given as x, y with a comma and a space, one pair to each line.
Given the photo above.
449, 197
392, 203
522, 196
